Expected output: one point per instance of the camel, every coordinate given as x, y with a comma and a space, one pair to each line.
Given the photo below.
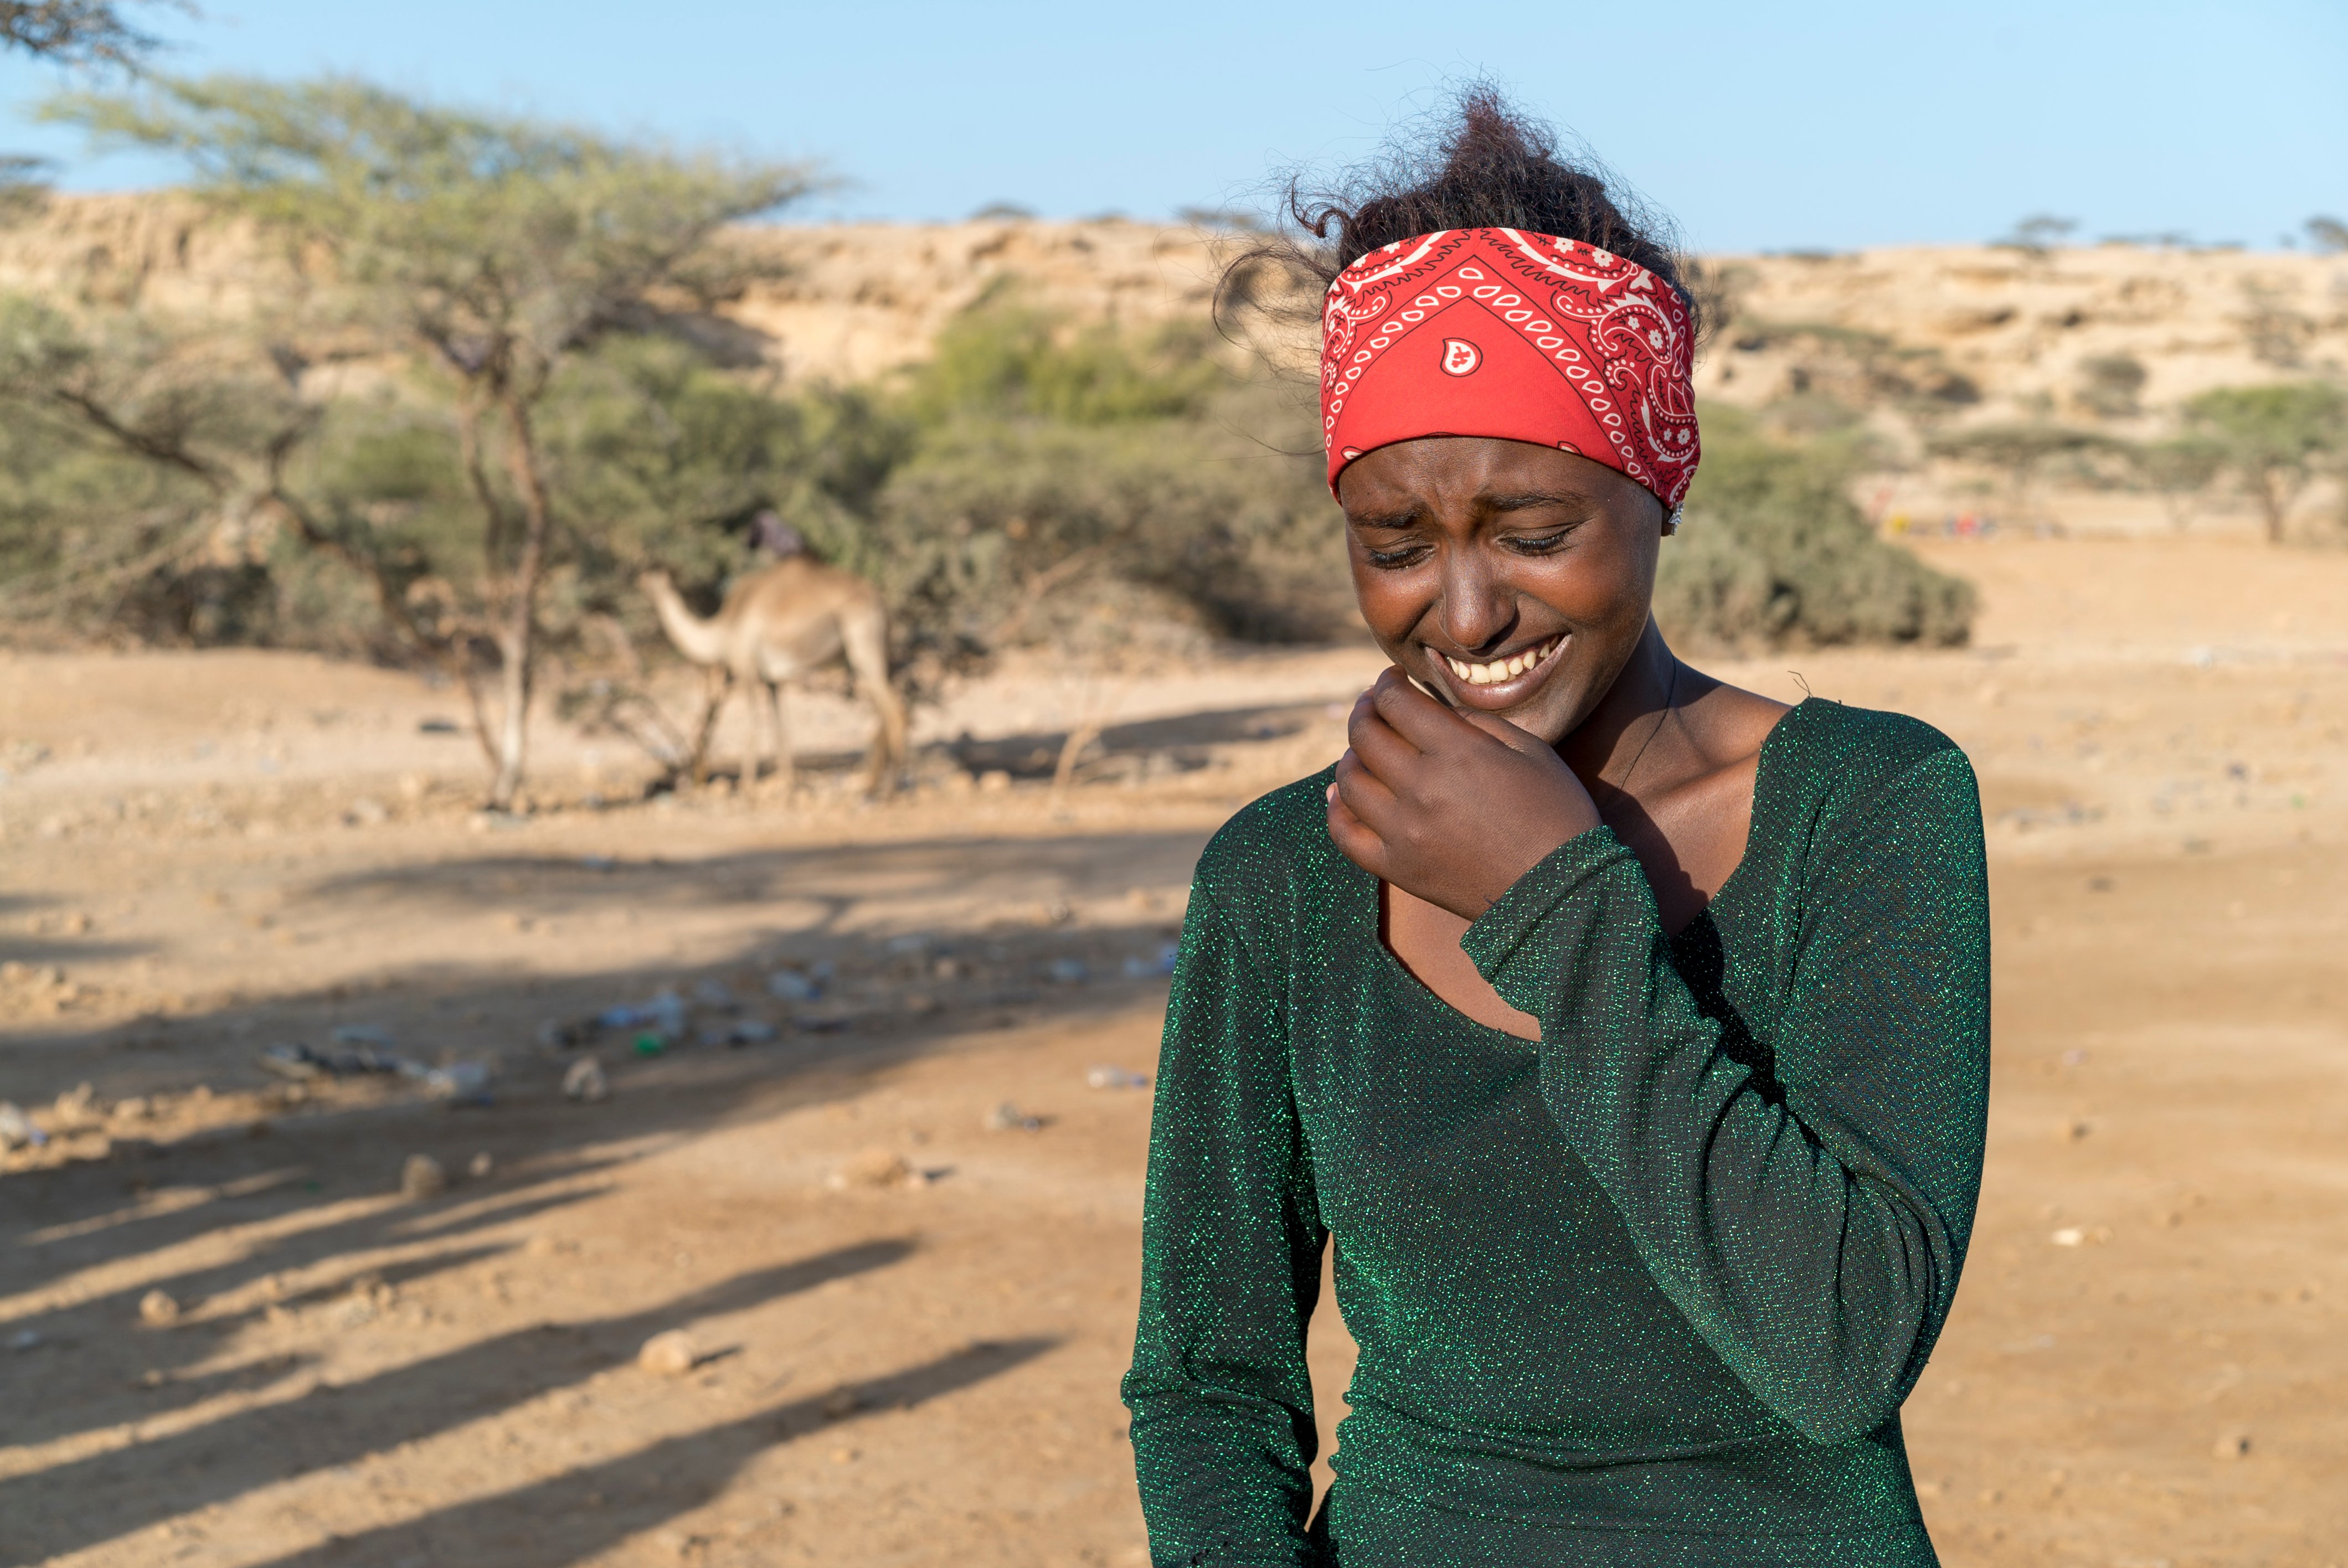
778, 623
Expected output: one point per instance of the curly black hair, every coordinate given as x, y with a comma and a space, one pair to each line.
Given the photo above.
1482, 164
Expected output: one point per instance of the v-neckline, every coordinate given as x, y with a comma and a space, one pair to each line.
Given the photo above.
1762, 773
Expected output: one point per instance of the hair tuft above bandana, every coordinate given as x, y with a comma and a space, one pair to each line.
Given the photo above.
1494, 331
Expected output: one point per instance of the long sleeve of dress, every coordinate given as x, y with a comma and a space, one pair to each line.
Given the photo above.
1220, 1398
1811, 1234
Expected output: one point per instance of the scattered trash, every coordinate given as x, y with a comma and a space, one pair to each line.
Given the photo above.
2069, 1235
650, 1044
586, 1081
25, 1339
422, 1177
792, 986
750, 1031
1138, 966
479, 1166
1065, 971
1116, 1077
872, 1168
437, 727
914, 944
2232, 1444
17, 1128
665, 1012
159, 1309
714, 994
300, 1064
1008, 1118
368, 1034
671, 1355
554, 1034
459, 1083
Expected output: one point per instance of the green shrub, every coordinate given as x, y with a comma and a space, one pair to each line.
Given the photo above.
1775, 553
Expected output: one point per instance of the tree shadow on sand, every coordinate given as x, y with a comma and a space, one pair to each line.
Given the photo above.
185, 1471
310, 1212
582, 1511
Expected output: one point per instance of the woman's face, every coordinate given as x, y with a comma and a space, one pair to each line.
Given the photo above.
1502, 575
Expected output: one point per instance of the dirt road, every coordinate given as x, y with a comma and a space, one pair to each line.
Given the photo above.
860, 1160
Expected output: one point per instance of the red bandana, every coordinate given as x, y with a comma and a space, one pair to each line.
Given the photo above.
1491, 332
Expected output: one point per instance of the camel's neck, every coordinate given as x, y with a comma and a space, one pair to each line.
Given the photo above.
703, 642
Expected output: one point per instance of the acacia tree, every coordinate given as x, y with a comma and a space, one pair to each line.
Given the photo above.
2275, 437
494, 248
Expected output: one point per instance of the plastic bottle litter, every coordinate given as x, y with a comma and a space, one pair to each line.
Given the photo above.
300, 1064
792, 986
586, 1081
1008, 1118
665, 1012
17, 1128
459, 1083
1117, 1078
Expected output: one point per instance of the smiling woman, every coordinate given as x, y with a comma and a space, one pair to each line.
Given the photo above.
1627, 1030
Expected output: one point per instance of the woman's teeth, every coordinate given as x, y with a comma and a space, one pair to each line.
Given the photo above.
1501, 670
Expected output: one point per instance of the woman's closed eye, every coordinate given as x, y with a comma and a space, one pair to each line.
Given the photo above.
1396, 556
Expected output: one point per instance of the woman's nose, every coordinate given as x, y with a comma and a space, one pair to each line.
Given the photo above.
1478, 609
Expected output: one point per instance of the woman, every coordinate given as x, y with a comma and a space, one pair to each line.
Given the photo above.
1628, 1031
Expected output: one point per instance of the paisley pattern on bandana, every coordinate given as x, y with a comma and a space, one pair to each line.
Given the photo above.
1529, 337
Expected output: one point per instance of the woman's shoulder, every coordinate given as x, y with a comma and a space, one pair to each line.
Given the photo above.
1272, 848
1843, 758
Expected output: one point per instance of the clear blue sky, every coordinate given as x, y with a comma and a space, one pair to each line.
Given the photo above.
1759, 126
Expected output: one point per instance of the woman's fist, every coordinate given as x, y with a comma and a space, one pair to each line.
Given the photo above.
1452, 807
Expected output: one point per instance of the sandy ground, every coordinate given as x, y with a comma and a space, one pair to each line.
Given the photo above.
896, 1217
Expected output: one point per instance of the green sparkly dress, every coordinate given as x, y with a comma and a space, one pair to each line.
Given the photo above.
1649, 1292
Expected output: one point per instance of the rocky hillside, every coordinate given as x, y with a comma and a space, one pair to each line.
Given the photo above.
1916, 339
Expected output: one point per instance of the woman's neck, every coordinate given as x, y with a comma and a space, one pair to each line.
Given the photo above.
1622, 735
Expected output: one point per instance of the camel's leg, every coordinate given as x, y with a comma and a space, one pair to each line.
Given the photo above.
753, 735
716, 683
865, 640
785, 771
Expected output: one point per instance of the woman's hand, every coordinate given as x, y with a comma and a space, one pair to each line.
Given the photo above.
1449, 806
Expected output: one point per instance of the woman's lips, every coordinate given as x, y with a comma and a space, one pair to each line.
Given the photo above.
1500, 682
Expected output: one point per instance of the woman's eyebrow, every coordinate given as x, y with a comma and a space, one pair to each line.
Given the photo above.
1406, 518
1526, 500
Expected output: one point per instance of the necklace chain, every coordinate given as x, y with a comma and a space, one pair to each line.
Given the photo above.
1670, 692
